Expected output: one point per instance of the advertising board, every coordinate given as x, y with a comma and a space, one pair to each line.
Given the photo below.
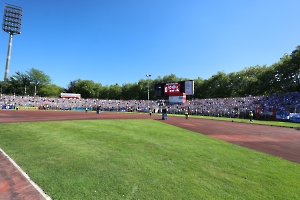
189, 87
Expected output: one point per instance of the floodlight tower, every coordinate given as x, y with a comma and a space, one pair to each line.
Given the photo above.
12, 19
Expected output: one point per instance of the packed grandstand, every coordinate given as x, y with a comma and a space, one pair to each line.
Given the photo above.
276, 106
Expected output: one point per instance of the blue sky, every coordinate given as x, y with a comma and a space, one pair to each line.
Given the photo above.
120, 41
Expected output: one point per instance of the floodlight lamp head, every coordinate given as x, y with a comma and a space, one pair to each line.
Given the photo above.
12, 19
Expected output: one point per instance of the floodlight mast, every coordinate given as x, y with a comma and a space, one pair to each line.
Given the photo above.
148, 75
12, 19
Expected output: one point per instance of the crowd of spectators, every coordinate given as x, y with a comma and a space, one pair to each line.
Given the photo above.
283, 102
231, 107
73, 103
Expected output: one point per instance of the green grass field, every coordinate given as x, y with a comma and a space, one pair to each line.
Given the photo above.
261, 122
143, 159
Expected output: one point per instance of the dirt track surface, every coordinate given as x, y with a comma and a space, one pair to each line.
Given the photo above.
278, 141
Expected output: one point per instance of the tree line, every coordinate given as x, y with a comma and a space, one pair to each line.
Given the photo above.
282, 76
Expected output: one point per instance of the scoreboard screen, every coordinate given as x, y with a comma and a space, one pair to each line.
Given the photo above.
171, 88
175, 88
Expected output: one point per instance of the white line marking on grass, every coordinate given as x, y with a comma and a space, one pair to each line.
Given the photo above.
27, 177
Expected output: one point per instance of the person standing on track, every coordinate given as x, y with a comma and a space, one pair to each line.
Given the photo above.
250, 115
186, 113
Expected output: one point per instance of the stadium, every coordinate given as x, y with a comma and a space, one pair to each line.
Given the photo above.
228, 134
76, 147
124, 153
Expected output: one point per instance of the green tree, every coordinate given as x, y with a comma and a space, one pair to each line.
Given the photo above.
104, 92
198, 87
171, 78
115, 91
294, 63
19, 84
97, 90
86, 88
129, 91
71, 87
50, 90
38, 77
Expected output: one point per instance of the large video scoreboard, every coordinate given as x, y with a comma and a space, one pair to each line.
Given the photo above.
174, 89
